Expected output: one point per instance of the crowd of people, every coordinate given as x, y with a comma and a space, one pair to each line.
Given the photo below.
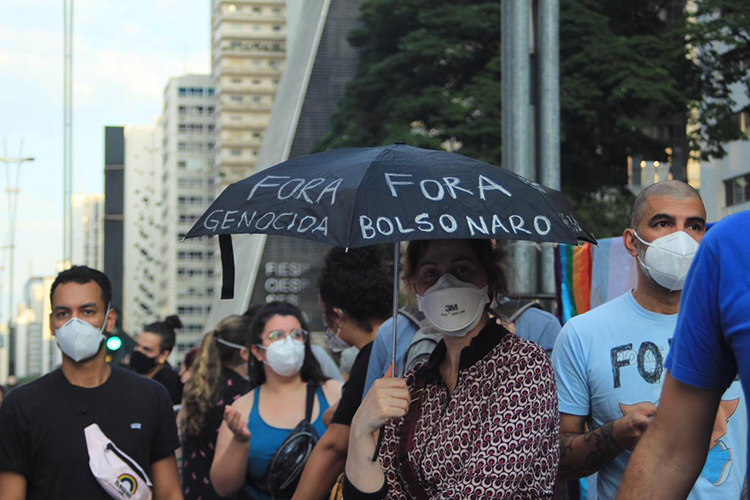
488, 398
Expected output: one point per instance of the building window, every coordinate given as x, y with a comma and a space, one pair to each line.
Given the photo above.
738, 190
236, 152
210, 91
181, 164
182, 110
277, 27
183, 91
210, 110
237, 98
236, 80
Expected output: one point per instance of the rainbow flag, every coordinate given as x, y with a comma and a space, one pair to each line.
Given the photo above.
573, 280
588, 276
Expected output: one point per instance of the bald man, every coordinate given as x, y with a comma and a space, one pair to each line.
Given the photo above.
609, 362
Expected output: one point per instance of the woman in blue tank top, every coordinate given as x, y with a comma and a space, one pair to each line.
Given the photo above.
257, 424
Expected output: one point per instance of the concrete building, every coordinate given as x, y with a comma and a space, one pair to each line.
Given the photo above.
725, 183
143, 228
88, 230
320, 64
114, 212
187, 277
248, 54
36, 351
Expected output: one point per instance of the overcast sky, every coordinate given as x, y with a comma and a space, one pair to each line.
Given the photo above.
124, 53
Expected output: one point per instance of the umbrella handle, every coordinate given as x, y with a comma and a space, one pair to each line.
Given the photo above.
396, 261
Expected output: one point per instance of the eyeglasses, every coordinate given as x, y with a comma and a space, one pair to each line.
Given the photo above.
297, 334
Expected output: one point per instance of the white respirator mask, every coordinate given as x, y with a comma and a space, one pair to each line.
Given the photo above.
668, 259
285, 356
79, 340
335, 342
453, 307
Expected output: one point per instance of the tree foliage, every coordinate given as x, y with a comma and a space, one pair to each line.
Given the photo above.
430, 75
720, 44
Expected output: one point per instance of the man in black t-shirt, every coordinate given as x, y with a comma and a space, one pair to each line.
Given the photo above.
43, 452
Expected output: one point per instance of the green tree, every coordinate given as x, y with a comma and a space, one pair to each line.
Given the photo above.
720, 43
430, 75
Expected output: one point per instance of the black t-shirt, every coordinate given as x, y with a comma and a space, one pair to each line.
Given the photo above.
171, 380
42, 437
351, 393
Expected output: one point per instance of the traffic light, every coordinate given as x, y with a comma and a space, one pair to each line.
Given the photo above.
114, 343
119, 345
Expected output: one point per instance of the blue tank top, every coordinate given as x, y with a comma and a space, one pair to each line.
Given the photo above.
266, 439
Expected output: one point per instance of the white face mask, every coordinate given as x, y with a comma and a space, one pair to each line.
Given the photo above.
335, 342
285, 356
79, 340
668, 259
453, 307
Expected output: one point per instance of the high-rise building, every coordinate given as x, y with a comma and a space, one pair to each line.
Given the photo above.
319, 66
187, 274
88, 230
143, 228
248, 54
36, 351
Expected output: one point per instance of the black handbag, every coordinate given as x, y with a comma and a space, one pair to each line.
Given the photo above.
283, 473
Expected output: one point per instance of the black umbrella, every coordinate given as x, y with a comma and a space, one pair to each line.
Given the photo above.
364, 196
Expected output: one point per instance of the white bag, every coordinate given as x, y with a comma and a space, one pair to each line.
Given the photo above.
118, 474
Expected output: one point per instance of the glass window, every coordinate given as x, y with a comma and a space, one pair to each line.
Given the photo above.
183, 91
738, 190
236, 152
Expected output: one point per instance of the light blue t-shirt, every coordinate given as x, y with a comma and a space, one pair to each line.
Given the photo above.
610, 359
382, 346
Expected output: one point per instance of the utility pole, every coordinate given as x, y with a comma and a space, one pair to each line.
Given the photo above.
67, 132
12, 190
531, 118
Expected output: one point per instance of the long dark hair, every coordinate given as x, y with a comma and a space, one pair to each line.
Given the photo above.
310, 367
203, 390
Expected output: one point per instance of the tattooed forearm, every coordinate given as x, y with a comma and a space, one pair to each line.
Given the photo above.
583, 454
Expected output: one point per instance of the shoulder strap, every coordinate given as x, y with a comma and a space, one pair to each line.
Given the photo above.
311, 389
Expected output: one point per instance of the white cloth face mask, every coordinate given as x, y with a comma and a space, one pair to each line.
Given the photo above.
335, 342
285, 357
668, 259
453, 307
79, 340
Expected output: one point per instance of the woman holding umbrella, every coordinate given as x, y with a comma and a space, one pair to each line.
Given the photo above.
479, 419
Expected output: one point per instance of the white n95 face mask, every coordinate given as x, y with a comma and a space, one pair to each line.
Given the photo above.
453, 307
668, 259
79, 340
335, 342
285, 356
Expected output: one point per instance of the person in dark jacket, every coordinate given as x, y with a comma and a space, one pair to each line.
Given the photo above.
149, 357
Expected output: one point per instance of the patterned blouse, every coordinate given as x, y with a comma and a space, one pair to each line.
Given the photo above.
495, 436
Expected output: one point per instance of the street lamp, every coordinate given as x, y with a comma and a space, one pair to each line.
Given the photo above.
12, 190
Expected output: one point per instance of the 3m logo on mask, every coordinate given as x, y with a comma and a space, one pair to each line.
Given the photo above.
451, 308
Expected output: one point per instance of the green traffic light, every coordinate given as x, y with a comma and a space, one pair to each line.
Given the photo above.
114, 343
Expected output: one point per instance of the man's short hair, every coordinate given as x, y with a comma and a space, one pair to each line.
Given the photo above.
83, 275
674, 189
